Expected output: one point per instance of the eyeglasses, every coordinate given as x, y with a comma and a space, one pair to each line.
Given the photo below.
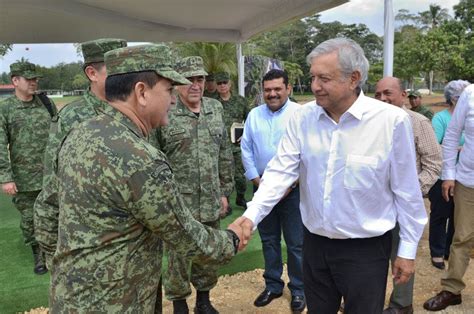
220, 83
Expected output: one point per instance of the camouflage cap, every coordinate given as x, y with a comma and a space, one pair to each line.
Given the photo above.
158, 58
94, 50
414, 93
191, 66
222, 77
25, 69
210, 77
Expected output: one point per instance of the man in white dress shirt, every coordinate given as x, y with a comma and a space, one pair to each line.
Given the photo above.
355, 159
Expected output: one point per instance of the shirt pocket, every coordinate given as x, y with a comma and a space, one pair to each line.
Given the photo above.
216, 134
359, 173
175, 135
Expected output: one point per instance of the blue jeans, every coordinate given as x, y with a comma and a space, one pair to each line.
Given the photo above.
285, 217
441, 214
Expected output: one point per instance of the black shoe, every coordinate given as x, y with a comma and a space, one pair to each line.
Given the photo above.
180, 307
40, 267
439, 265
240, 201
404, 310
205, 308
298, 303
265, 298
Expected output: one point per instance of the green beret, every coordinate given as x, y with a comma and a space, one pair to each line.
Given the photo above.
191, 66
25, 69
222, 77
414, 93
158, 58
94, 50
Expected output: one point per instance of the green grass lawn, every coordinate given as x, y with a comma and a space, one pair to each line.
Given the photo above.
21, 289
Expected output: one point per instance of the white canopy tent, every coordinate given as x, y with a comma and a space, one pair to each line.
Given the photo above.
60, 21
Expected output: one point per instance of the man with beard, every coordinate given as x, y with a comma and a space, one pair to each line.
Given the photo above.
24, 122
264, 127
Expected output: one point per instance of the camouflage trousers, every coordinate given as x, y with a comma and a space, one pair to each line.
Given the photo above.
239, 173
182, 270
24, 202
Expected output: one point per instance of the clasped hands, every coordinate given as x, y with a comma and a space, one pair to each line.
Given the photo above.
243, 227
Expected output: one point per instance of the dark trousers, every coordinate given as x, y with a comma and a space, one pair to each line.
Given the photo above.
441, 214
355, 269
286, 217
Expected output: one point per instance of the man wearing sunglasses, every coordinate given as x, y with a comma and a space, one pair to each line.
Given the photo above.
235, 110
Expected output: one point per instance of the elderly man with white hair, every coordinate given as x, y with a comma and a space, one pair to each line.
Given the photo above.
355, 160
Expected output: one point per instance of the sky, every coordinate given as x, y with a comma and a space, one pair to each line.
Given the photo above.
369, 12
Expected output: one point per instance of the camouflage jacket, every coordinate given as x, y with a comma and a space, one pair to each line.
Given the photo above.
200, 156
46, 205
125, 203
23, 141
424, 111
214, 95
235, 110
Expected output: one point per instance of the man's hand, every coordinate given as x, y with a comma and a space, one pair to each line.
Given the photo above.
402, 270
246, 226
256, 181
224, 206
447, 189
9, 188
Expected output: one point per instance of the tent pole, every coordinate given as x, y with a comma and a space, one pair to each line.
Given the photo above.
240, 69
388, 39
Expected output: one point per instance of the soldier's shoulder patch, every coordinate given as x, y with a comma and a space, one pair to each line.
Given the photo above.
161, 170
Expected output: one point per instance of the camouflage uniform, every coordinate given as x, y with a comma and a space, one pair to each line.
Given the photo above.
214, 94
423, 110
109, 251
201, 158
23, 140
235, 110
88, 106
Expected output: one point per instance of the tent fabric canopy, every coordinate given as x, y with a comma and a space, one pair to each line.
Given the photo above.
58, 21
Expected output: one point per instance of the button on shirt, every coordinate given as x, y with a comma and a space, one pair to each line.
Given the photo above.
357, 177
262, 133
462, 120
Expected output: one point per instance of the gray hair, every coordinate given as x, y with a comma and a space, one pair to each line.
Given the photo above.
454, 89
350, 54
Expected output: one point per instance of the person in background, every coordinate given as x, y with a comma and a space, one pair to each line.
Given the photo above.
25, 119
414, 97
264, 127
441, 227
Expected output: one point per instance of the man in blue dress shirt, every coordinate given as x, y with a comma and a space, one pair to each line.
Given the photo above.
264, 127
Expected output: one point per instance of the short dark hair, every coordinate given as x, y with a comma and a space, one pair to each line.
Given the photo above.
276, 74
96, 65
120, 86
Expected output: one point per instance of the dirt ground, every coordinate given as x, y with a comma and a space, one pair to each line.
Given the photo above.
236, 293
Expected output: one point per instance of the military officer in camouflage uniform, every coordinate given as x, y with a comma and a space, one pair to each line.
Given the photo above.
235, 110
196, 144
211, 87
125, 201
25, 120
88, 106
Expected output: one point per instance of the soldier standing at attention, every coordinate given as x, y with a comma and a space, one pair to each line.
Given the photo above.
125, 200
235, 110
196, 144
88, 106
211, 87
25, 120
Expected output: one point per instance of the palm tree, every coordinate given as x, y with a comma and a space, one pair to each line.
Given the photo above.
217, 57
433, 17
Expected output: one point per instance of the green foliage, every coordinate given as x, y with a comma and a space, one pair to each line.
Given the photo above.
61, 76
464, 12
4, 49
217, 57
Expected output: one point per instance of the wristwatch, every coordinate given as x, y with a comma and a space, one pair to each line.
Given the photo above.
235, 240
